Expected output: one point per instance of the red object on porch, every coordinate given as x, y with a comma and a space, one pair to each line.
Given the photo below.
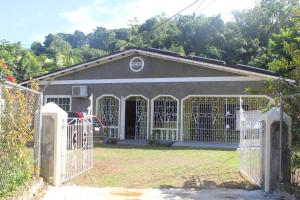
80, 116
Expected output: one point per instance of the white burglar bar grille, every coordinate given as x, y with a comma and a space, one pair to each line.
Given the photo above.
108, 112
141, 118
165, 116
215, 119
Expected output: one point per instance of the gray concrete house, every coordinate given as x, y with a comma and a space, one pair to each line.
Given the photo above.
143, 94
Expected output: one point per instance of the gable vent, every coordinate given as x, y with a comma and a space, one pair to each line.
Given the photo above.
80, 91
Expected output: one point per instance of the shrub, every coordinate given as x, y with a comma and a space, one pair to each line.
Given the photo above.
16, 114
110, 141
295, 162
156, 142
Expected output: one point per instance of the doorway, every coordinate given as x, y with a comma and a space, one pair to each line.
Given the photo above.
136, 118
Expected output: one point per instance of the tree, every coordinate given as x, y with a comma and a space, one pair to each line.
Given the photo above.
76, 40
102, 39
37, 48
258, 24
59, 51
285, 47
28, 66
86, 53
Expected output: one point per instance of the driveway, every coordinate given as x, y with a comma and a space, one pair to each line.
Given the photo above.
114, 193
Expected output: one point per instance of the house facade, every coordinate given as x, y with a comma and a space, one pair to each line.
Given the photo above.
143, 94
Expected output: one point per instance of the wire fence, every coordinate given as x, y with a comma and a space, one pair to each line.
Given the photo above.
20, 123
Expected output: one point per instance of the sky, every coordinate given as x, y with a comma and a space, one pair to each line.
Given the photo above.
31, 20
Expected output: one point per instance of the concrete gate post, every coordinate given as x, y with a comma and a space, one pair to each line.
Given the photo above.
271, 149
54, 127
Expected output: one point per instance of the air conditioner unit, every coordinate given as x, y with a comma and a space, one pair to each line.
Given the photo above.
80, 91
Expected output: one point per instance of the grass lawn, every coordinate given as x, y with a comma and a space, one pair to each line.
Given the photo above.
161, 167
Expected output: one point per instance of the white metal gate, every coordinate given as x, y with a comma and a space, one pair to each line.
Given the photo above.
77, 149
251, 132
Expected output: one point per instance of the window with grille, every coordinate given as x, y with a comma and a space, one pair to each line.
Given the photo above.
63, 102
165, 116
108, 112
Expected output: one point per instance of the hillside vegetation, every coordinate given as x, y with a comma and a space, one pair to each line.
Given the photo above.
257, 37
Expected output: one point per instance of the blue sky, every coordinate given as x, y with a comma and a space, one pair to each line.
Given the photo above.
31, 20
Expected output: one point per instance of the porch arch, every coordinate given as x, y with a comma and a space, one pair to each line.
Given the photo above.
108, 111
141, 118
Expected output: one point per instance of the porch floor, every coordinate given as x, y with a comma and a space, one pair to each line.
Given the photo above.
205, 145
182, 144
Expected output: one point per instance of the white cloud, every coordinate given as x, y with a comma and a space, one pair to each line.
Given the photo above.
116, 15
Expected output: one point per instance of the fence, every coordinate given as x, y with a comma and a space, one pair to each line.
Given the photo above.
19, 135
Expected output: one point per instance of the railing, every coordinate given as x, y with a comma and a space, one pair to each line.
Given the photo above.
164, 134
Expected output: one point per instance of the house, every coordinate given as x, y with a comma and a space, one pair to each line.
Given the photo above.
143, 94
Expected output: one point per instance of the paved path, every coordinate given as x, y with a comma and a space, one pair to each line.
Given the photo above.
108, 193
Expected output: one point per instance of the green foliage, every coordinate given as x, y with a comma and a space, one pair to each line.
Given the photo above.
102, 39
263, 36
295, 166
15, 133
12, 175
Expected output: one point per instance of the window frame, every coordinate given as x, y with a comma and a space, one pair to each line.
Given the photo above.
60, 96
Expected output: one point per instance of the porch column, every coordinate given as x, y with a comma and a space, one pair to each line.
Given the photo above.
122, 121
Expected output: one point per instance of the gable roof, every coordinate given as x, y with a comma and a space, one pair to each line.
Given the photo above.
194, 60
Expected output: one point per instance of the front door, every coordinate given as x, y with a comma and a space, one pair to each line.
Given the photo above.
136, 118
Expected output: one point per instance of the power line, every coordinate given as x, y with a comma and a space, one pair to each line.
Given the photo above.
211, 3
160, 24
199, 6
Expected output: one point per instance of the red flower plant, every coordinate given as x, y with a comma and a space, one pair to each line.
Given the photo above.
10, 79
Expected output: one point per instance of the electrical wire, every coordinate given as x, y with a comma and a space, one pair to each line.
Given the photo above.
202, 2
157, 26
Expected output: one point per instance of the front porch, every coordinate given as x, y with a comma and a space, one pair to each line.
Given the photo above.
194, 121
